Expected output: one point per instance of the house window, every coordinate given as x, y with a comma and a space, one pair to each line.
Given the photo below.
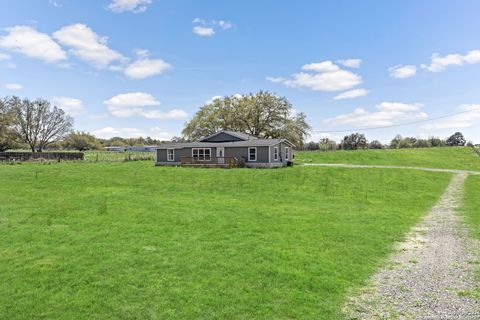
252, 154
275, 153
201, 154
287, 153
170, 154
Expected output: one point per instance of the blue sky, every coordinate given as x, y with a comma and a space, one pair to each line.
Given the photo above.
144, 67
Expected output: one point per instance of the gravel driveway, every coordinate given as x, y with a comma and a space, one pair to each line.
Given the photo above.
431, 274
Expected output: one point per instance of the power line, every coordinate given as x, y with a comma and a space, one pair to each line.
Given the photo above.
398, 125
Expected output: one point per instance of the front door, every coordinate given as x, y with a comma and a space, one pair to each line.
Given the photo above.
221, 155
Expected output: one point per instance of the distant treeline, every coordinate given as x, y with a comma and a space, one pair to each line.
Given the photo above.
358, 141
83, 141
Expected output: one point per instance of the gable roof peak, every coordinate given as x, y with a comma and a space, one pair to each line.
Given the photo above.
238, 135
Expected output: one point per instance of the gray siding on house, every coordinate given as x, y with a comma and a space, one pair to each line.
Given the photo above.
281, 153
264, 154
185, 152
272, 153
235, 145
161, 155
239, 152
283, 146
222, 137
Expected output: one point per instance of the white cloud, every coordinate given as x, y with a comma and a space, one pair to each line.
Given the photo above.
87, 45
459, 121
71, 106
276, 79
142, 53
203, 31
155, 133
315, 135
4, 56
56, 4
325, 66
439, 63
388, 113
33, 44
206, 28
325, 76
13, 86
135, 99
398, 106
145, 67
198, 20
135, 6
351, 63
133, 105
174, 114
402, 72
160, 134
213, 99
225, 25
355, 93
110, 132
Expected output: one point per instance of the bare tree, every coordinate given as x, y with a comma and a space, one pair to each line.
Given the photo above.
38, 124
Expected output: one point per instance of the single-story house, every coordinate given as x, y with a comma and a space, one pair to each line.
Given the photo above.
227, 149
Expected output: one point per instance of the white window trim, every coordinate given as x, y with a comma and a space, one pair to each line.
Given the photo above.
275, 153
209, 158
173, 155
255, 148
287, 153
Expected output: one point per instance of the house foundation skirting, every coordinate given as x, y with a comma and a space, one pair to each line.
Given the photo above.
247, 164
264, 165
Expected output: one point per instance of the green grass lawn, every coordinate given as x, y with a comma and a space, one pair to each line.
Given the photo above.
447, 158
134, 241
472, 212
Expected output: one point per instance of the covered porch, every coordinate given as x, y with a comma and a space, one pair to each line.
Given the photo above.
207, 161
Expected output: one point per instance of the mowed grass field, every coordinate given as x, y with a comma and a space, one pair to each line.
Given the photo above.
445, 158
134, 241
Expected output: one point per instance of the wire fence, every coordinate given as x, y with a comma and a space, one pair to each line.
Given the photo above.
111, 156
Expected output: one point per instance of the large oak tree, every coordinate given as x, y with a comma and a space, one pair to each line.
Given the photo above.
263, 114
38, 123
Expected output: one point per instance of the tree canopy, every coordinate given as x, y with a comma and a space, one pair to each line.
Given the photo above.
8, 135
37, 123
81, 141
354, 141
456, 140
262, 114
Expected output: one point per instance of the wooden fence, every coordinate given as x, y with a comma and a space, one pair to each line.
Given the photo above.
26, 156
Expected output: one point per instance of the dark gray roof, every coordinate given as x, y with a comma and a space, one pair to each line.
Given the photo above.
249, 143
240, 135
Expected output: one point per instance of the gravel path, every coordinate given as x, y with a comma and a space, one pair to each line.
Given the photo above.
431, 274
388, 167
